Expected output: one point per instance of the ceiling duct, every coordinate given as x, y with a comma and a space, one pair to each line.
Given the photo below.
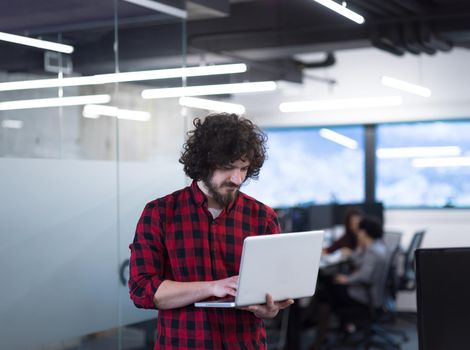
412, 42
387, 38
412, 37
329, 60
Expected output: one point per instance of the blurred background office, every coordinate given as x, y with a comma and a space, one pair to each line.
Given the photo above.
371, 113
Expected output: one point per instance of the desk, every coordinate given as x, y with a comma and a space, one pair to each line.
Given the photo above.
329, 265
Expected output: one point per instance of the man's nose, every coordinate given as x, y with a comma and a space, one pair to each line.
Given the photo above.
236, 177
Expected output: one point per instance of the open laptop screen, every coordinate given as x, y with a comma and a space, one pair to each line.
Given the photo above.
443, 298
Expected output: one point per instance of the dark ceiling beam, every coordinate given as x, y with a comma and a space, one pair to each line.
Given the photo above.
370, 7
410, 5
391, 7
257, 31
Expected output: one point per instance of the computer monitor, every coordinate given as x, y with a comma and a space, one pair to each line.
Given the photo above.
443, 298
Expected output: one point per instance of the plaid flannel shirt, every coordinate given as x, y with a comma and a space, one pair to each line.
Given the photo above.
177, 239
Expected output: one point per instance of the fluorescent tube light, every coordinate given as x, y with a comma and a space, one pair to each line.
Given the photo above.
338, 138
442, 162
405, 86
42, 44
54, 102
211, 105
12, 124
125, 77
323, 105
210, 90
95, 111
413, 152
158, 6
342, 10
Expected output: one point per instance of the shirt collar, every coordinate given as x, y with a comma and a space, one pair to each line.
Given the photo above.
200, 198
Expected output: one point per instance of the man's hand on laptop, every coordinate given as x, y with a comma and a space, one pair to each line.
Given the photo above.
225, 287
270, 309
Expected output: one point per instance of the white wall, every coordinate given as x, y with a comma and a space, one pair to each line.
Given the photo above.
358, 73
444, 228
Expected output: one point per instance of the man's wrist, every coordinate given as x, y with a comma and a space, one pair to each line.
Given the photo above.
210, 288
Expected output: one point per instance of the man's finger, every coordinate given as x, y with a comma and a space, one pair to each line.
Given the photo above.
285, 303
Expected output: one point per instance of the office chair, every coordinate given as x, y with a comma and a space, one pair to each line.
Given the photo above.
371, 332
408, 279
395, 283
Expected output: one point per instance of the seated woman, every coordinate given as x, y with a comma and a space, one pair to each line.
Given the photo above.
348, 241
369, 262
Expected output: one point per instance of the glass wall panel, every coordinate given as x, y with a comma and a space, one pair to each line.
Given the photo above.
74, 175
151, 133
312, 166
424, 164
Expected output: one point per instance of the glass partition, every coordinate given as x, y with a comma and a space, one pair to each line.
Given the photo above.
80, 154
151, 133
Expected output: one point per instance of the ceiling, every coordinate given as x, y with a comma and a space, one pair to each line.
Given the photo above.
269, 35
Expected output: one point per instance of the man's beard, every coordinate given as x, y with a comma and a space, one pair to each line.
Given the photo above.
223, 199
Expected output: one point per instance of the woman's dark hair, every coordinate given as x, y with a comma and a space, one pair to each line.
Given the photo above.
350, 212
219, 140
372, 226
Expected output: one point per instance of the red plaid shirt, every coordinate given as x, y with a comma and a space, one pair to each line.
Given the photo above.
177, 239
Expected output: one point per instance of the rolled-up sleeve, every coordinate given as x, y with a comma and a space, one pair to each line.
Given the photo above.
147, 260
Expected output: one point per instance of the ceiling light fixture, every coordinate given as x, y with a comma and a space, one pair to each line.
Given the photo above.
440, 162
338, 138
12, 124
323, 105
211, 105
158, 6
413, 152
54, 102
95, 111
41, 44
342, 10
125, 77
405, 86
203, 90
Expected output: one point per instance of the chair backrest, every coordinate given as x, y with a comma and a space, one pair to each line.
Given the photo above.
391, 282
392, 240
408, 280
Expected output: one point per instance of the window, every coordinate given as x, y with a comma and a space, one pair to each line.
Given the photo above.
311, 166
424, 164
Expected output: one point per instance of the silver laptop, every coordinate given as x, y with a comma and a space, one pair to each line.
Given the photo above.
284, 265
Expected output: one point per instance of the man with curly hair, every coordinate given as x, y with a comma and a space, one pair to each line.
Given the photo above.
188, 244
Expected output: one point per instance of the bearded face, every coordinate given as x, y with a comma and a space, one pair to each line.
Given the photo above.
225, 182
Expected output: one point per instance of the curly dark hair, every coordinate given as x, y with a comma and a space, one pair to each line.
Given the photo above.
219, 140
